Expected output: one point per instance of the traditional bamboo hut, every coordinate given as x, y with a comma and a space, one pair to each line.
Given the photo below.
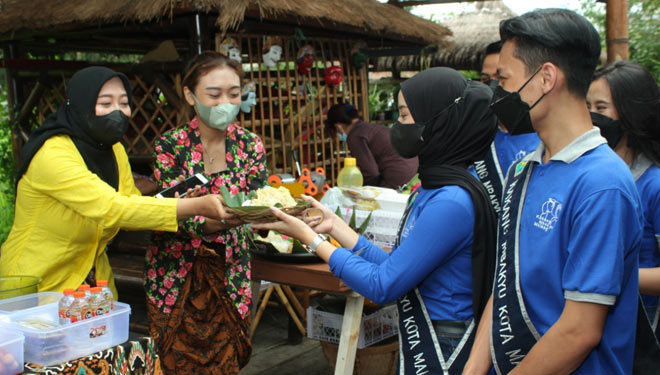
45, 41
472, 32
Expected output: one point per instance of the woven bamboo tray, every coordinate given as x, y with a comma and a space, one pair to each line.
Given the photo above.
262, 214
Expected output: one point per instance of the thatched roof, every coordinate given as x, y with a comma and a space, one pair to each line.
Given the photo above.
472, 33
361, 16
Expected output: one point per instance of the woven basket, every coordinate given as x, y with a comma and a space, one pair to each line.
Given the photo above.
376, 359
263, 214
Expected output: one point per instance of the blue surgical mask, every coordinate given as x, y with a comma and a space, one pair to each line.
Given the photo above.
218, 117
343, 137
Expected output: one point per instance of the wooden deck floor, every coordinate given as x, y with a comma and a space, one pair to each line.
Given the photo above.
271, 353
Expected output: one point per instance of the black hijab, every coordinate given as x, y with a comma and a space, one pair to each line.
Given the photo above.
458, 130
73, 119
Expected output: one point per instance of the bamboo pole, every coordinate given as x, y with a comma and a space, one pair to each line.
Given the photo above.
294, 301
260, 312
271, 120
299, 108
617, 30
280, 113
290, 310
289, 94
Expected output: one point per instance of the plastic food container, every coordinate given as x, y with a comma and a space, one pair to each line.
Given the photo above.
51, 343
11, 351
14, 286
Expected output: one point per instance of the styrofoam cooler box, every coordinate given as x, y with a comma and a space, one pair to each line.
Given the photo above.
63, 343
384, 223
391, 200
11, 351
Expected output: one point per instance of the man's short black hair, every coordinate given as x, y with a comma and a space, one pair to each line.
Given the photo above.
493, 48
559, 36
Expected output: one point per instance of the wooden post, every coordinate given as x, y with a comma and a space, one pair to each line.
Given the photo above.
350, 331
617, 30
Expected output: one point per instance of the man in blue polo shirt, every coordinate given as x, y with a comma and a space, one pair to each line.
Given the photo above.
507, 146
565, 293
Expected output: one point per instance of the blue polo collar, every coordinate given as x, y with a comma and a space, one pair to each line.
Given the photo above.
586, 142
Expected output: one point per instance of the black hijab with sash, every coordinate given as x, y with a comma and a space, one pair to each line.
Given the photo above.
73, 118
458, 130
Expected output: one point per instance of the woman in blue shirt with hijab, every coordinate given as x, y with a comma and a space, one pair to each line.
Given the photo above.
440, 271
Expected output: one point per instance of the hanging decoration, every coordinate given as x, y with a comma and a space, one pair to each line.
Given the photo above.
249, 97
334, 75
305, 59
272, 51
231, 49
359, 54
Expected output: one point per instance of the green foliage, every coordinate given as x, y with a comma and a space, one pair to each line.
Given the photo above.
7, 169
470, 74
643, 30
381, 98
352, 222
235, 201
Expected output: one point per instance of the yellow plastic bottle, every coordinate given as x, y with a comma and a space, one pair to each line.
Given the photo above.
350, 175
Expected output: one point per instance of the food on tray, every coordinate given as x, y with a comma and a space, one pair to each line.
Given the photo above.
255, 206
269, 197
279, 242
364, 198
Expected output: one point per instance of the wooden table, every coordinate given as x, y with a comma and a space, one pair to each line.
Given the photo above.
318, 276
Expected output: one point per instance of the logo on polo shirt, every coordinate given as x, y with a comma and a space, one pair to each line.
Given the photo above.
549, 214
519, 168
521, 154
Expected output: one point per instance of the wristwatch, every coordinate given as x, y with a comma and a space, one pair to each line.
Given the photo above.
311, 248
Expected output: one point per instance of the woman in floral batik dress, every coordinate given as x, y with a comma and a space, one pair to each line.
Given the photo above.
198, 280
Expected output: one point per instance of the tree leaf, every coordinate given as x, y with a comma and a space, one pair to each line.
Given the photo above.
364, 224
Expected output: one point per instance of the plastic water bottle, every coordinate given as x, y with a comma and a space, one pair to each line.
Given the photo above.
96, 302
107, 294
350, 175
65, 305
85, 288
79, 307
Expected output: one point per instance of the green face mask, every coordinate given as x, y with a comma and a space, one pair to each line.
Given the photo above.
218, 117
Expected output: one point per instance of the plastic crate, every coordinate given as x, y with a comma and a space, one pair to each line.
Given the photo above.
11, 351
63, 343
325, 326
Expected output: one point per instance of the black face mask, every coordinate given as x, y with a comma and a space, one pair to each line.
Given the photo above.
108, 129
512, 111
407, 139
492, 83
610, 128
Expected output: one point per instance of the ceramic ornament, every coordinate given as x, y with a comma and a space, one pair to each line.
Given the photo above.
231, 49
272, 51
305, 59
249, 97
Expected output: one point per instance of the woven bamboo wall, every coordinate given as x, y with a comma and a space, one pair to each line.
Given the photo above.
290, 107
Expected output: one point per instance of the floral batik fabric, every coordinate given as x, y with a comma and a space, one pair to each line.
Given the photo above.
170, 256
